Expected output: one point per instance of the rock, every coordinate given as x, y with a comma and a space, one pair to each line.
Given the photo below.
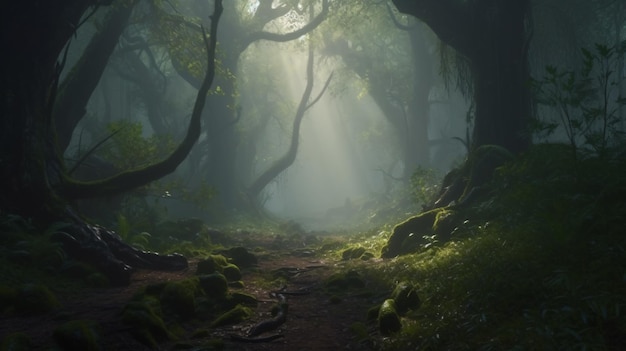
233, 316
79, 335
388, 319
407, 236
145, 318
214, 285
240, 256
231, 272
179, 297
211, 264
405, 297
349, 280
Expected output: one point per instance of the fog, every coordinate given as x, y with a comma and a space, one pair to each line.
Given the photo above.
359, 143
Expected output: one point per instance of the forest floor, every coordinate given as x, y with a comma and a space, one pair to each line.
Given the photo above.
315, 321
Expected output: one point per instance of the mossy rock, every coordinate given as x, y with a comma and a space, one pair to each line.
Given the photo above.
211, 264
359, 330
372, 313
352, 253
146, 320
214, 285
239, 284
349, 280
408, 235
236, 315
29, 299
231, 272
179, 297
366, 256
445, 223
16, 342
238, 298
240, 256
79, 335
388, 319
405, 297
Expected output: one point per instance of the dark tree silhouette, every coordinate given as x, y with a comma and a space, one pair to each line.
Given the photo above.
494, 37
32, 174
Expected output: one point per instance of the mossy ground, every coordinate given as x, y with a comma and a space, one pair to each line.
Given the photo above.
537, 265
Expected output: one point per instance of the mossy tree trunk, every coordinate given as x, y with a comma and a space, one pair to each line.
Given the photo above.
32, 173
493, 36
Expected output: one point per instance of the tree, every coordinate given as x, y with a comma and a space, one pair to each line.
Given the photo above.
493, 38
287, 159
240, 30
33, 177
382, 52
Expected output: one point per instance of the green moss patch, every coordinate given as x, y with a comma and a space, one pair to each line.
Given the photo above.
79, 335
233, 316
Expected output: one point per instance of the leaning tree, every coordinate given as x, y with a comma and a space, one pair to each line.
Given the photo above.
492, 39
33, 177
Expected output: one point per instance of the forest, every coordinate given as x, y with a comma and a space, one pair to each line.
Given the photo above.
313, 175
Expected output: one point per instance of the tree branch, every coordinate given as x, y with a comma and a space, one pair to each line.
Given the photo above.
287, 36
129, 180
76, 89
290, 155
451, 20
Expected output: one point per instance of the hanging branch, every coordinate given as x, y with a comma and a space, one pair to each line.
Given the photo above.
129, 180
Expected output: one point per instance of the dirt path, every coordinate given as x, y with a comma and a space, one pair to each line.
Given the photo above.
314, 322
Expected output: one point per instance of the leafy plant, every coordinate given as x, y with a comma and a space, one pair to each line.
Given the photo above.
587, 101
424, 184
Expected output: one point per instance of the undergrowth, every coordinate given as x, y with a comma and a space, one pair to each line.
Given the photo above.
545, 272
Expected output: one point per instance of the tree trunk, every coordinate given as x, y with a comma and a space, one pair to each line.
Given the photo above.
32, 174
290, 156
76, 89
500, 69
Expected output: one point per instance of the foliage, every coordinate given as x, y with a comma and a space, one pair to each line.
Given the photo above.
129, 149
544, 272
587, 101
425, 184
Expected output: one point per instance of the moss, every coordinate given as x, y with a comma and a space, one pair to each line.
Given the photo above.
233, 316
239, 284
146, 319
373, 312
243, 299
200, 334
359, 330
214, 285
349, 280
388, 319
211, 264
445, 223
352, 253
407, 236
16, 342
240, 256
79, 335
231, 272
179, 297
406, 297
33, 299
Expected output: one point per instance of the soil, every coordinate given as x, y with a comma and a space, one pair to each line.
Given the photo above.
315, 321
